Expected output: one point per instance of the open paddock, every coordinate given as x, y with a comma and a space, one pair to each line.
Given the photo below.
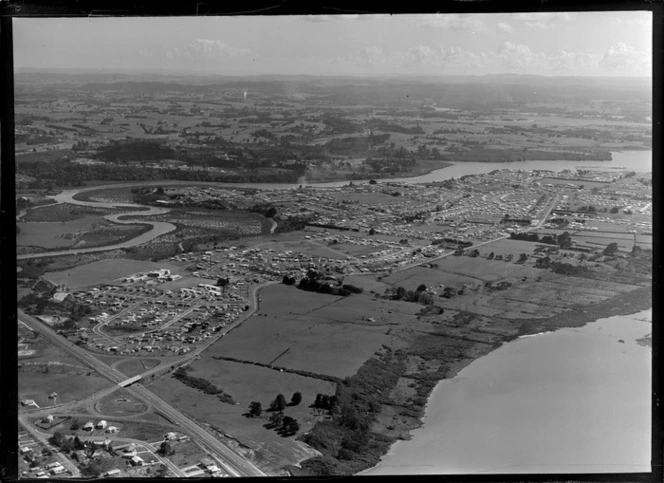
507, 247
366, 282
457, 271
549, 296
135, 366
110, 195
110, 235
265, 383
269, 450
61, 234
70, 383
644, 241
107, 271
227, 222
323, 334
601, 240
64, 212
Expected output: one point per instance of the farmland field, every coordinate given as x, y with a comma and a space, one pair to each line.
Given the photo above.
228, 222
113, 195
312, 331
64, 212
265, 447
56, 234
134, 366
70, 383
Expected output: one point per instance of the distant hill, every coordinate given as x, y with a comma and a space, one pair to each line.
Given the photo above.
463, 92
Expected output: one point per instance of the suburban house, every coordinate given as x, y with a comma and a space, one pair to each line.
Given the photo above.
136, 461
102, 424
89, 426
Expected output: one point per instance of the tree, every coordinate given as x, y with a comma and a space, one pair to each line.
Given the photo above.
165, 448
57, 439
255, 409
296, 399
543, 262
372, 231
288, 280
93, 469
78, 444
611, 249
223, 282
74, 425
290, 425
277, 418
565, 240
490, 257
161, 471
279, 404
67, 445
421, 288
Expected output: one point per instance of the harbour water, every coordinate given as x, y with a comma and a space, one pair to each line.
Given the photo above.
575, 400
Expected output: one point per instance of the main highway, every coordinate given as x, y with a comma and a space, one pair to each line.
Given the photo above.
232, 462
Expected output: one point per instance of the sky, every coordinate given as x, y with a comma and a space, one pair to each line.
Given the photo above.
561, 44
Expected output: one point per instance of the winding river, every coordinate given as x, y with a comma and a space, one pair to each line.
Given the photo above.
639, 161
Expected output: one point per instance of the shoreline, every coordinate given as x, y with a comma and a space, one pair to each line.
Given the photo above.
628, 303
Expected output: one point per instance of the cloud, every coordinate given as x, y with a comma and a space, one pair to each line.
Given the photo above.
626, 59
620, 59
565, 62
450, 22
419, 56
543, 20
370, 55
519, 57
505, 27
206, 49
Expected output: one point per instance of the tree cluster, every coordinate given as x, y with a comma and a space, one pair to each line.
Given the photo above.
202, 385
417, 296
313, 283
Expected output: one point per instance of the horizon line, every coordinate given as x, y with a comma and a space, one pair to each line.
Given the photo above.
82, 70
